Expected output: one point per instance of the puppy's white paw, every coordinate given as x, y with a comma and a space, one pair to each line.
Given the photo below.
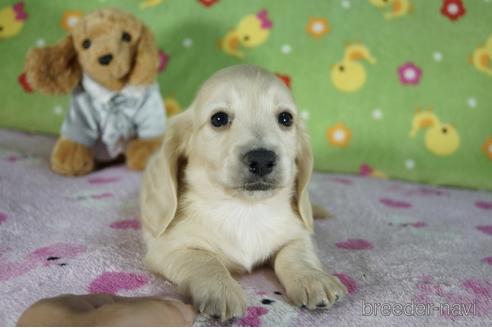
222, 299
314, 289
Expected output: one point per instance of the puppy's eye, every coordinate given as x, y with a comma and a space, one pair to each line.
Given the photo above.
219, 119
126, 37
285, 119
86, 44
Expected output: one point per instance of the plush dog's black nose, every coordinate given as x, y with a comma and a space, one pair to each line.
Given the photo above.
260, 161
106, 59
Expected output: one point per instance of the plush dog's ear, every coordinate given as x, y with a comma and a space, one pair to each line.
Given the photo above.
54, 70
160, 186
304, 161
146, 60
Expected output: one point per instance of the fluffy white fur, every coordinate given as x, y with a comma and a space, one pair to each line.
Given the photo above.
200, 223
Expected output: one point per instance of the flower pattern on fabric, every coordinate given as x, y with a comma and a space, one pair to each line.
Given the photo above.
453, 9
366, 170
22, 79
163, 61
409, 73
487, 147
339, 135
317, 27
208, 3
284, 78
70, 19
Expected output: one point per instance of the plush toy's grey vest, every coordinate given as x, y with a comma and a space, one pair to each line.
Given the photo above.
113, 118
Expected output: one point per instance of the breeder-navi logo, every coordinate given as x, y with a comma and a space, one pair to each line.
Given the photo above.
417, 309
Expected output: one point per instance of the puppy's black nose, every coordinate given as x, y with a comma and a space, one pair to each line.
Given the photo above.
106, 59
260, 161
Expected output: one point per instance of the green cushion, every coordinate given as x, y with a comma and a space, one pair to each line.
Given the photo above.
362, 78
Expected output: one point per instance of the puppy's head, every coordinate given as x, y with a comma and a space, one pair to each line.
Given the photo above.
246, 132
112, 46
242, 136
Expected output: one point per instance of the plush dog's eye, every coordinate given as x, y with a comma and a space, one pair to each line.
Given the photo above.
126, 37
285, 118
86, 44
219, 119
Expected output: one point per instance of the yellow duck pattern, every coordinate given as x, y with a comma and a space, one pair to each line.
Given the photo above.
397, 8
349, 75
252, 31
12, 19
482, 56
441, 139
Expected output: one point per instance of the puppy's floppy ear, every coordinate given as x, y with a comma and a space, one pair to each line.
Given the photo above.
54, 70
160, 186
304, 161
146, 59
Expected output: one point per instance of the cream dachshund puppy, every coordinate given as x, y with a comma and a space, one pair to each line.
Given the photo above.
227, 191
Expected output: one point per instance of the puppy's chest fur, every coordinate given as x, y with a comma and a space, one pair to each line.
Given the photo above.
246, 233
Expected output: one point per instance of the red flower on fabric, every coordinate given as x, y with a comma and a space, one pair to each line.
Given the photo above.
409, 73
163, 60
453, 9
208, 3
22, 79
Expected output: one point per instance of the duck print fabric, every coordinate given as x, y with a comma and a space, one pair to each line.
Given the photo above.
388, 88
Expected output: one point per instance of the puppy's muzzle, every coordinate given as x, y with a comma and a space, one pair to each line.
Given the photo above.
260, 162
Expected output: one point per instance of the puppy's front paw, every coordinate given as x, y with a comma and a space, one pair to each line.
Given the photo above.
314, 289
221, 299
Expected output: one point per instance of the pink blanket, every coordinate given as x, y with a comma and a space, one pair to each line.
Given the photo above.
391, 243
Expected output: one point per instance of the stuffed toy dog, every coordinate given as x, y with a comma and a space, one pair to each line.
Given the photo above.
109, 63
